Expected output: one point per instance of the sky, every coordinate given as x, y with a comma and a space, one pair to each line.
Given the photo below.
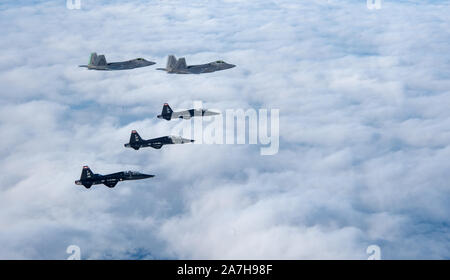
363, 97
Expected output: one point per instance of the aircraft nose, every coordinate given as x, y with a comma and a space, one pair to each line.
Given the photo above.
231, 65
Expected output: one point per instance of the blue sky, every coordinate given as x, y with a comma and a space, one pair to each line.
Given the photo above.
364, 130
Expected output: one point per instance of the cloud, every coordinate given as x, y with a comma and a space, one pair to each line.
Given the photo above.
363, 98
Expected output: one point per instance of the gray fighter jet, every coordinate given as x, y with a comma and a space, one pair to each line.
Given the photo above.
168, 114
98, 62
136, 142
88, 178
178, 66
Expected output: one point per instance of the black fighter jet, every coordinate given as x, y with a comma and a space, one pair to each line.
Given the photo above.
88, 178
136, 142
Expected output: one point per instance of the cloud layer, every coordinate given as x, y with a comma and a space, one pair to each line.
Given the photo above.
364, 130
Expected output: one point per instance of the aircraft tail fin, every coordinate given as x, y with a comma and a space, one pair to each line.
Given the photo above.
181, 64
171, 62
97, 60
166, 111
92, 59
174, 64
135, 137
86, 173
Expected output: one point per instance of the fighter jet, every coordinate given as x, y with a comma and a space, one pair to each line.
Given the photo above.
136, 142
88, 178
179, 66
98, 62
168, 114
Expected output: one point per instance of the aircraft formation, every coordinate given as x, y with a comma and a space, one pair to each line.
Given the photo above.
174, 66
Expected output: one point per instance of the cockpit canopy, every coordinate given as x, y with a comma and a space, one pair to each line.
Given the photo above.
220, 61
130, 173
